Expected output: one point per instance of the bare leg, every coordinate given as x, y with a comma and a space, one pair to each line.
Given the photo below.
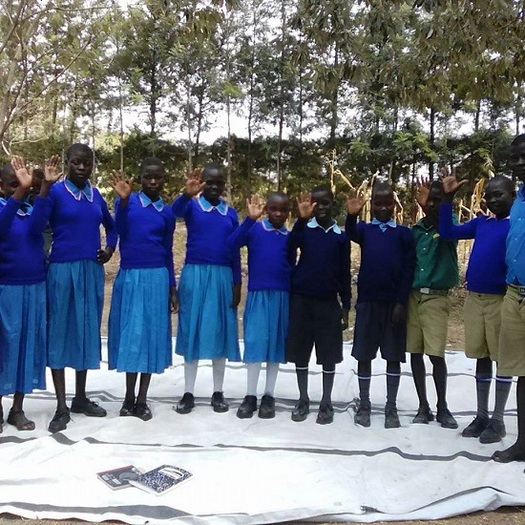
17, 417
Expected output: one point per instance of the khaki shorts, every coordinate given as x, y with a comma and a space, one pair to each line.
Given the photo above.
482, 314
511, 359
427, 323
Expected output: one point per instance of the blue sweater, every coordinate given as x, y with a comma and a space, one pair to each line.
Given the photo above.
268, 266
75, 223
487, 270
22, 258
323, 268
208, 230
146, 235
388, 260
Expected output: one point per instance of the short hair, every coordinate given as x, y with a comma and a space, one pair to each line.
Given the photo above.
508, 184
276, 195
382, 187
5, 170
518, 139
437, 184
78, 148
150, 161
212, 167
323, 188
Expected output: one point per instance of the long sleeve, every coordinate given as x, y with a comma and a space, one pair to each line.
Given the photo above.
408, 267
181, 206
121, 219
168, 243
345, 293
351, 228
241, 235
295, 240
450, 231
7, 215
236, 252
41, 212
109, 225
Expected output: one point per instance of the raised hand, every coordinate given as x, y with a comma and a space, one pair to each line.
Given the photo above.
24, 177
422, 191
194, 183
305, 205
51, 173
255, 207
450, 183
121, 185
355, 204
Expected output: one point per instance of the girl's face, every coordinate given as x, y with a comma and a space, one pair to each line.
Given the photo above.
324, 206
152, 180
9, 184
79, 168
214, 186
277, 210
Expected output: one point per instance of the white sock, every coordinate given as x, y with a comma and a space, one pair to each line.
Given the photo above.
219, 367
190, 375
254, 370
272, 369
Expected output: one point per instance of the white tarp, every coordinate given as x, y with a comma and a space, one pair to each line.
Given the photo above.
254, 470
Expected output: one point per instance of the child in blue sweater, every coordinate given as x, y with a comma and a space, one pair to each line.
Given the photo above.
75, 210
22, 295
383, 291
210, 284
139, 334
267, 304
321, 274
486, 285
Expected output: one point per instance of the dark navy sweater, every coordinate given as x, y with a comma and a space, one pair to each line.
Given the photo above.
487, 270
323, 268
388, 260
268, 265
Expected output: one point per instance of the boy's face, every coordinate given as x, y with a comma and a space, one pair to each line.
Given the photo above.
152, 180
324, 206
434, 200
383, 205
517, 161
499, 198
277, 210
9, 183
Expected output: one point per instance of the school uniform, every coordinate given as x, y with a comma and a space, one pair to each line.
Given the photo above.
207, 326
267, 308
321, 275
75, 282
428, 304
385, 279
22, 300
139, 329
511, 360
485, 278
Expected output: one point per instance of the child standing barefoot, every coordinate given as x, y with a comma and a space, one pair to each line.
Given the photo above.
75, 283
210, 285
139, 334
267, 305
316, 317
22, 294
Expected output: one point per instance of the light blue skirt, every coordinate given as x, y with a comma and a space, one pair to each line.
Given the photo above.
75, 297
139, 330
207, 322
265, 326
22, 338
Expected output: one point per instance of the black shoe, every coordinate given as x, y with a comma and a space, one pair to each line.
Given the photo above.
494, 432
301, 410
446, 419
142, 411
88, 408
218, 402
423, 416
325, 416
362, 416
186, 404
59, 422
247, 408
127, 408
476, 428
391, 417
267, 407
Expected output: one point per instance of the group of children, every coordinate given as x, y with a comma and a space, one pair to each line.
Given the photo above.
298, 291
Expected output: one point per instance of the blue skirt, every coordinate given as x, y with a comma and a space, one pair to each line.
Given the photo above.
22, 338
75, 297
139, 330
266, 317
207, 322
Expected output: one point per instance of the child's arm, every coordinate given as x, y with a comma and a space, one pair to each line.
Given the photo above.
104, 255
194, 186
168, 243
305, 208
345, 293
123, 189
240, 236
354, 205
235, 263
407, 276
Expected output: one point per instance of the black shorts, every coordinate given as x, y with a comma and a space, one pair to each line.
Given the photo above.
316, 322
374, 330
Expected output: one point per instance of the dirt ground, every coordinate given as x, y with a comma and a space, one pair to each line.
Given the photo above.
502, 516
